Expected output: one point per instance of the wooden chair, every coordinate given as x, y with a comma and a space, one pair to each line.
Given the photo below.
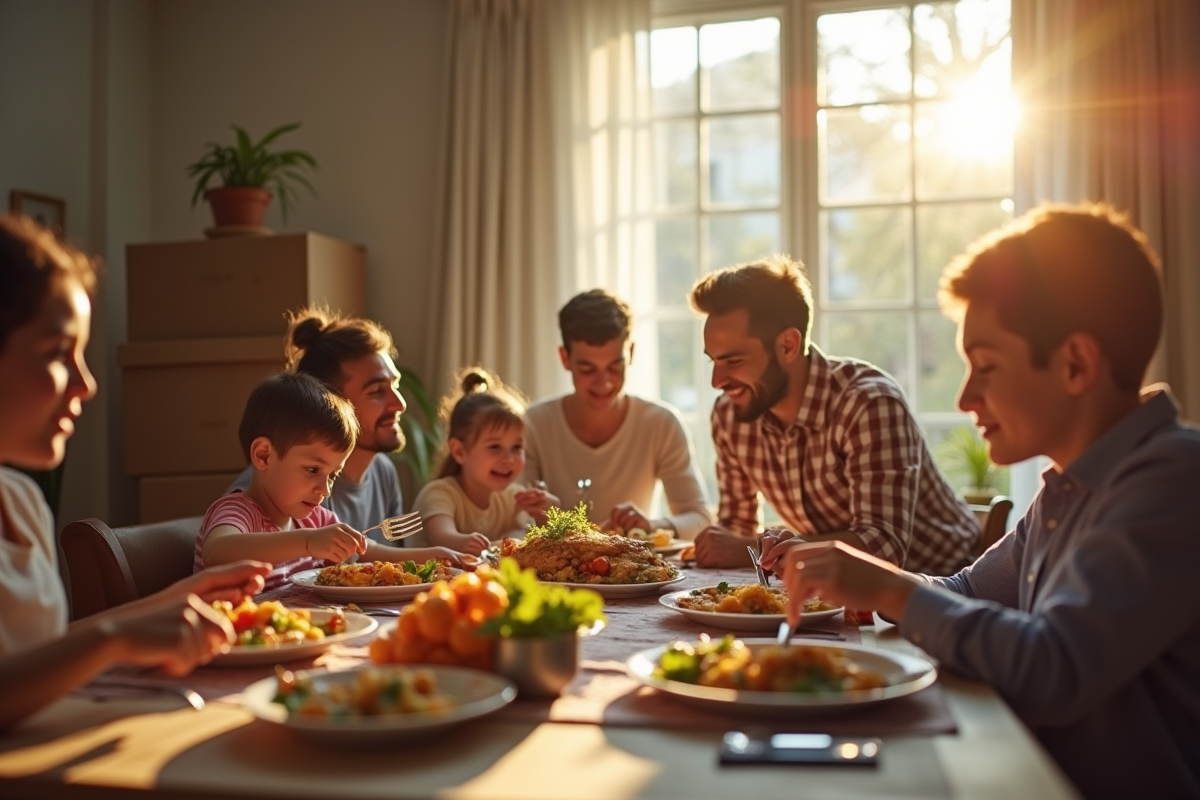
993, 522
103, 567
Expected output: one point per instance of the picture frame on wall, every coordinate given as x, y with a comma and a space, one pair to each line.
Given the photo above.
50, 212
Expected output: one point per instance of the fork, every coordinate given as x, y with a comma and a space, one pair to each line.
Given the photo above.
397, 528
758, 568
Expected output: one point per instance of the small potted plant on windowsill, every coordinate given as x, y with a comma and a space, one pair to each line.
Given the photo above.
250, 173
965, 453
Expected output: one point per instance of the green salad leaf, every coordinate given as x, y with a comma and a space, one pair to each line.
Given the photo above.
425, 572
562, 522
535, 609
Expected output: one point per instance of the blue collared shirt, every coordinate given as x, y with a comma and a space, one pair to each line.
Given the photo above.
1086, 616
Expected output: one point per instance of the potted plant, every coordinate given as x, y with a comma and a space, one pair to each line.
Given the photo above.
249, 173
965, 455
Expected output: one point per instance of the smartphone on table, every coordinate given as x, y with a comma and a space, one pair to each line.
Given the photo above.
738, 747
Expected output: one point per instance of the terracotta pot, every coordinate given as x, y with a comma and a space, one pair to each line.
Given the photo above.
238, 205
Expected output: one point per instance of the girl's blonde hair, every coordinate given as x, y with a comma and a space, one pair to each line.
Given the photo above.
481, 402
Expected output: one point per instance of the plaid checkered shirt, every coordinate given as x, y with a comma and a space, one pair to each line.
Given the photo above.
853, 461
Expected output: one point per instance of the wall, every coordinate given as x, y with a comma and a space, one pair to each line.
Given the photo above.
104, 102
365, 78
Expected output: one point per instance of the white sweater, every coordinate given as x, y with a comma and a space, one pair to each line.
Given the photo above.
651, 445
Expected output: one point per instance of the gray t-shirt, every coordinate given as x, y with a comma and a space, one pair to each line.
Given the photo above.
360, 505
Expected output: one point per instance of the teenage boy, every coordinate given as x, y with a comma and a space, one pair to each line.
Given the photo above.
297, 434
604, 446
354, 357
1085, 617
830, 442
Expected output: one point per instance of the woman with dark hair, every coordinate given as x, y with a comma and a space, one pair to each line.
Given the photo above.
45, 315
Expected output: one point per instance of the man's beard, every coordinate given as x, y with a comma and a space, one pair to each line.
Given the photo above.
766, 392
382, 442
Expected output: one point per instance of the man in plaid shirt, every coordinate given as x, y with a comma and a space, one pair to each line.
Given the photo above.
829, 442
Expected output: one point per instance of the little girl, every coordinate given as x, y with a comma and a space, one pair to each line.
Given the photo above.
474, 500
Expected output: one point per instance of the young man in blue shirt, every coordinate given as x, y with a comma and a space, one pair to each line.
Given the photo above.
1085, 617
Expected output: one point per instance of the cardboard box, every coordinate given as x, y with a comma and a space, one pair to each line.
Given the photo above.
177, 496
238, 286
183, 401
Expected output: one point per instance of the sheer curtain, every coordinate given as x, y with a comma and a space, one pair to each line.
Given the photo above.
545, 138
1111, 98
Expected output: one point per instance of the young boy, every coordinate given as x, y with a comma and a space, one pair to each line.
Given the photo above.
297, 434
1084, 617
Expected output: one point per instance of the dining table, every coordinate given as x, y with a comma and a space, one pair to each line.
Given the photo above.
607, 737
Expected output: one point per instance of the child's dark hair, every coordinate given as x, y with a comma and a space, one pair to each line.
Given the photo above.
594, 317
32, 264
319, 341
481, 403
291, 409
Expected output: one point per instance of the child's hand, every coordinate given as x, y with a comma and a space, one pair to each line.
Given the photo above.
335, 543
471, 543
444, 554
535, 503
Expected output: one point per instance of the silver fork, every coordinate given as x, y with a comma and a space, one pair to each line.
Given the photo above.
758, 567
397, 528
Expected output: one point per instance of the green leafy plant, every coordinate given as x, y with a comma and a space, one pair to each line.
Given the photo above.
535, 609
422, 432
561, 522
254, 164
964, 453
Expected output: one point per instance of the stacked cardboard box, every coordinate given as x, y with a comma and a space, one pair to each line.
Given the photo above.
206, 324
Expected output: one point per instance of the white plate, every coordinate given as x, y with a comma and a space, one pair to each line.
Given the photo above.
617, 590
741, 622
347, 594
475, 693
905, 674
246, 655
675, 546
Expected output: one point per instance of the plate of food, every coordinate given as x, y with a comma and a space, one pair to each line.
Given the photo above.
761, 677
750, 607
373, 582
374, 705
270, 633
662, 540
571, 551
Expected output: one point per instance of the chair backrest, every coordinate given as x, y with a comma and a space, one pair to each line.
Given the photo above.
993, 522
105, 567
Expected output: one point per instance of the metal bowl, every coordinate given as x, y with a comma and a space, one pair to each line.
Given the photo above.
540, 666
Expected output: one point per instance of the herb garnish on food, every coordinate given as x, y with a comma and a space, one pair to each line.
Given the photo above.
561, 523
722, 588
425, 572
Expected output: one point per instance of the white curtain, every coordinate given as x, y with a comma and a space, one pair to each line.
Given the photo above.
546, 136
1111, 97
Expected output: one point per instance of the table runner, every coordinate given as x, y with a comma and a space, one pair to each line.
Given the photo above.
602, 693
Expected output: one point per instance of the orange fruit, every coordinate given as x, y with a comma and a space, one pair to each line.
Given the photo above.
380, 650
487, 602
442, 590
464, 586
409, 651
442, 655
407, 625
435, 618
464, 641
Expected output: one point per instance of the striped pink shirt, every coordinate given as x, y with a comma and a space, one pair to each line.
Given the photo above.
247, 516
852, 460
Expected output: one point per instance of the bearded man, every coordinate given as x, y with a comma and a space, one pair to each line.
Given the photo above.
354, 357
829, 442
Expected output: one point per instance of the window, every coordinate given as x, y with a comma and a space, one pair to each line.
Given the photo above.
874, 143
